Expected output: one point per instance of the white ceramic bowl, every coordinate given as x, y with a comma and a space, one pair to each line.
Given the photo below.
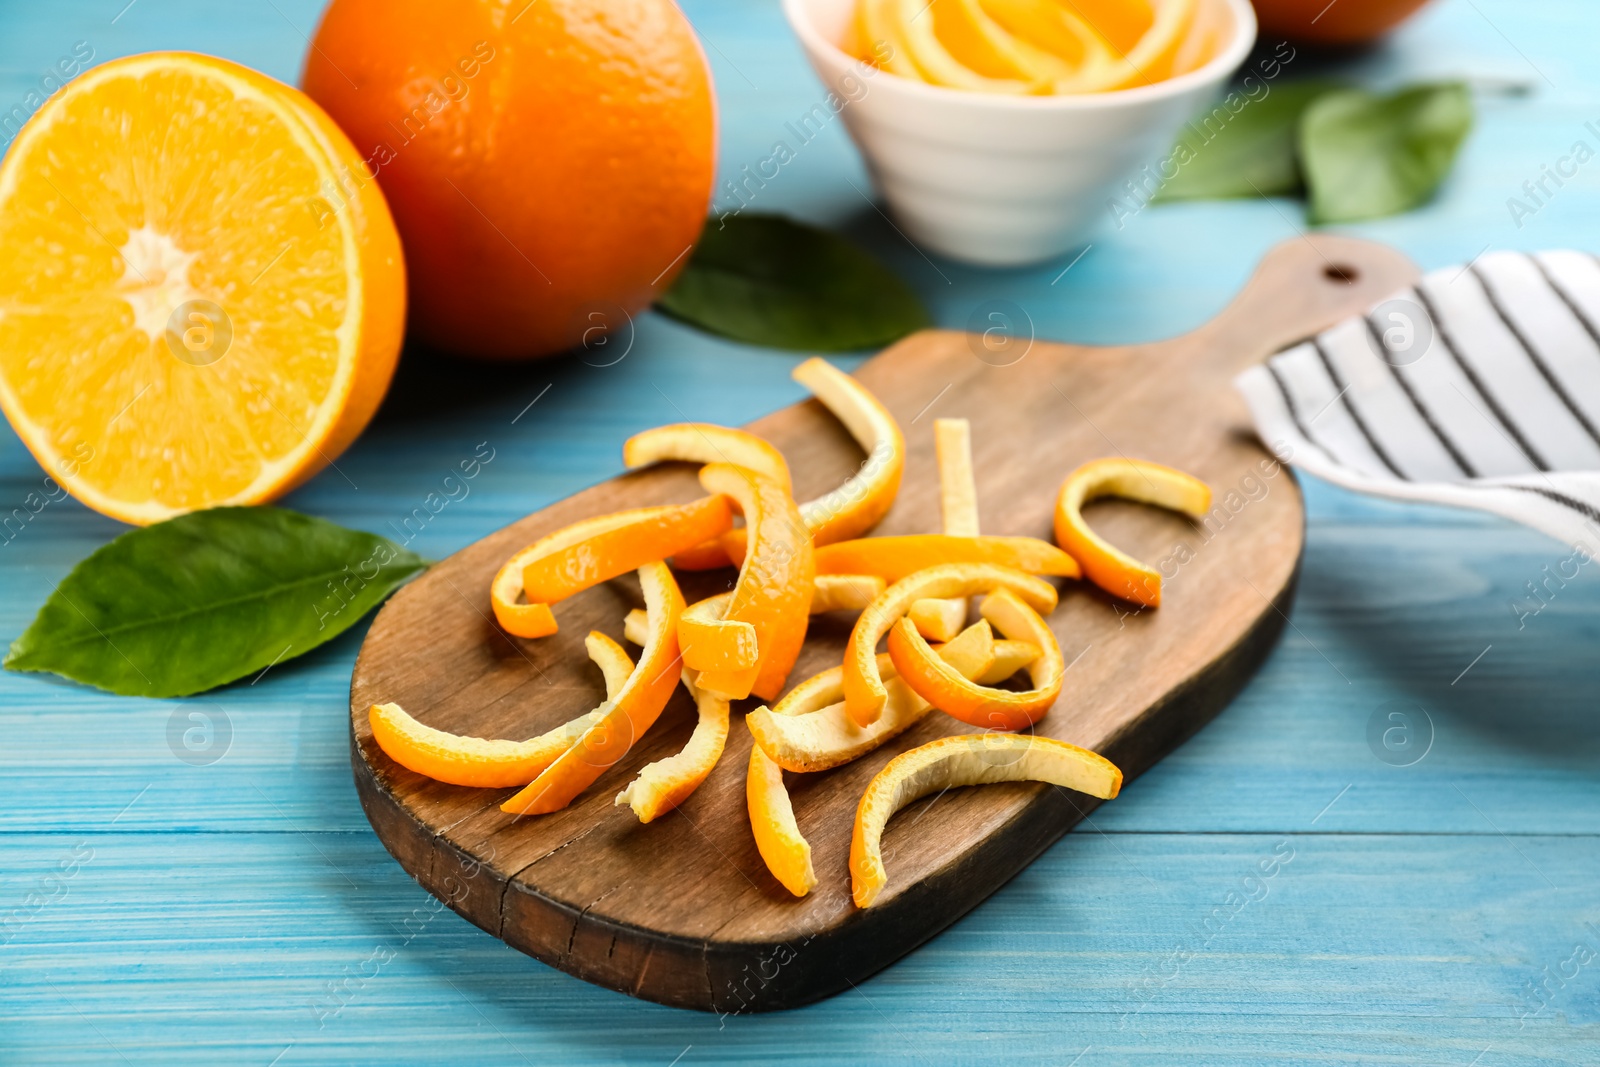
1003, 180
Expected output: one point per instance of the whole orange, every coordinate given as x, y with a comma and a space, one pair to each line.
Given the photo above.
1339, 23
548, 162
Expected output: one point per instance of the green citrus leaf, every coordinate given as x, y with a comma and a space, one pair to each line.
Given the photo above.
1366, 156
768, 280
1249, 152
200, 600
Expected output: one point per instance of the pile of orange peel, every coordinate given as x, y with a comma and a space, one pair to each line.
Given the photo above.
1039, 47
795, 560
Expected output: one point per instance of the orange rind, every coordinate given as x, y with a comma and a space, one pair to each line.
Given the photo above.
894, 558
941, 620
616, 535
809, 730
473, 761
863, 686
783, 847
951, 762
773, 593
864, 498
958, 696
704, 442
666, 783
1130, 479
634, 710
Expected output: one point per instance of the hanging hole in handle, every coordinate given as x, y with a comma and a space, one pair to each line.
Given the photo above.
1341, 272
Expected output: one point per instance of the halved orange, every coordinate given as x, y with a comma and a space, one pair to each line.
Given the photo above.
202, 294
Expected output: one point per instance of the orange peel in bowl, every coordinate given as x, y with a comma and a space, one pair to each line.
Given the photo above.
1130, 479
863, 685
633, 711
666, 783
957, 695
615, 534
773, 593
950, 762
458, 759
864, 498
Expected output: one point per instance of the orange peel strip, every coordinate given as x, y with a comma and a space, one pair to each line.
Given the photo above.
863, 686
458, 759
633, 711
783, 847
705, 442
809, 730
845, 592
864, 498
666, 783
1009, 658
773, 593
551, 577
977, 759
979, 705
941, 620
1130, 479
535, 619
894, 558
712, 643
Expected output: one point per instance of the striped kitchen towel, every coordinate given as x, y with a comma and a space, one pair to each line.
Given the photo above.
1479, 387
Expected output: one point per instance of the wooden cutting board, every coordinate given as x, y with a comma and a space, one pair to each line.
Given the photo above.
682, 911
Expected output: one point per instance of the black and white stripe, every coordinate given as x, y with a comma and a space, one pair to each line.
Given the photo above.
1500, 412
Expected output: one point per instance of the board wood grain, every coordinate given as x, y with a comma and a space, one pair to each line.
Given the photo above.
682, 911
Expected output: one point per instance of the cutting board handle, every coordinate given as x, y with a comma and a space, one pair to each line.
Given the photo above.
1300, 287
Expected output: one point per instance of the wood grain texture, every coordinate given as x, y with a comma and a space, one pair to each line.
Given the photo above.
682, 911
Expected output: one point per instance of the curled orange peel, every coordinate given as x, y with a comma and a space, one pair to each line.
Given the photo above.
632, 711
666, 783
978, 759
704, 442
1130, 479
863, 686
894, 558
591, 551
864, 498
474, 761
553, 576
710, 643
773, 593
809, 730
957, 695
783, 847
941, 620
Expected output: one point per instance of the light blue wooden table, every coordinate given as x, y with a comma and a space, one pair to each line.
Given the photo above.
241, 912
